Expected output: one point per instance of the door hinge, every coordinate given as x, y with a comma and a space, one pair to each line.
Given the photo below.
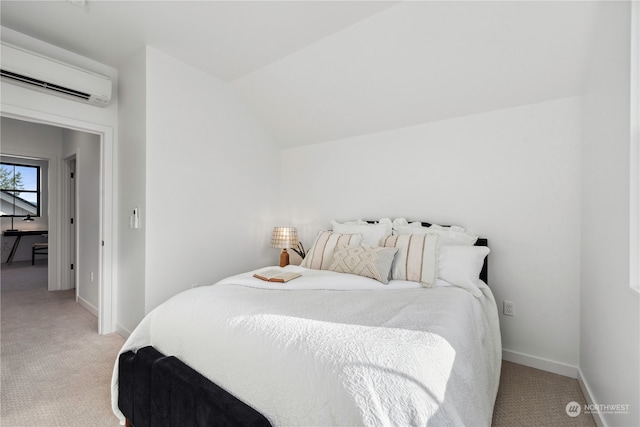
71, 220
103, 243
72, 175
72, 266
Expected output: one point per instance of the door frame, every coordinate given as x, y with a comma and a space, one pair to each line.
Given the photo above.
106, 274
70, 255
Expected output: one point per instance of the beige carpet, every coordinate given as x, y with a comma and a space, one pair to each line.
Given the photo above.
535, 398
56, 369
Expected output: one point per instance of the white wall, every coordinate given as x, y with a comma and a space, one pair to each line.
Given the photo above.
207, 156
132, 187
39, 142
511, 176
610, 322
86, 148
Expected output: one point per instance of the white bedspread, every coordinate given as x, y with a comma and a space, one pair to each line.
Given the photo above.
330, 349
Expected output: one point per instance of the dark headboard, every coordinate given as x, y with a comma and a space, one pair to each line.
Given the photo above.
484, 274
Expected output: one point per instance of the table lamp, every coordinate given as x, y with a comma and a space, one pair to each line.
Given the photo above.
284, 237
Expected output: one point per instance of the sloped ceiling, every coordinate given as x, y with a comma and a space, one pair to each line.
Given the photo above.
320, 71
420, 62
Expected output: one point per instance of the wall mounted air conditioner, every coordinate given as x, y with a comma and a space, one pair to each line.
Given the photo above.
38, 72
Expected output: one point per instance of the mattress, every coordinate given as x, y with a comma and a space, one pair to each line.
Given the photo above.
336, 349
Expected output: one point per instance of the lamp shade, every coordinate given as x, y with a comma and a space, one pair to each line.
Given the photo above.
284, 237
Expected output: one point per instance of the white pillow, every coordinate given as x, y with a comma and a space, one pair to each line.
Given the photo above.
371, 233
417, 258
448, 235
320, 256
461, 266
399, 222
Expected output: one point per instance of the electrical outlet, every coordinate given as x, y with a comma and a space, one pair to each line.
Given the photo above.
508, 308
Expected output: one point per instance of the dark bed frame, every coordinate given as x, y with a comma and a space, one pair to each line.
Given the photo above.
155, 390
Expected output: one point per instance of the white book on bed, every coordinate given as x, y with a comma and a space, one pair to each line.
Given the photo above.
276, 275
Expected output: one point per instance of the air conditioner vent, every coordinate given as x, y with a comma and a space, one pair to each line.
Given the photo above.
44, 74
44, 85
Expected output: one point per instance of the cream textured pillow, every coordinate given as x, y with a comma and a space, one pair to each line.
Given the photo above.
417, 258
320, 255
369, 261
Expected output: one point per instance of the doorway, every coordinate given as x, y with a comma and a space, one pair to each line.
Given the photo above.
106, 231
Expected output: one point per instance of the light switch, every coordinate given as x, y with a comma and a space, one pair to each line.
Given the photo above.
136, 218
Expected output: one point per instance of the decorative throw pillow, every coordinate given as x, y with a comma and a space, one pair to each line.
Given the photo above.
369, 261
417, 258
371, 233
320, 256
461, 266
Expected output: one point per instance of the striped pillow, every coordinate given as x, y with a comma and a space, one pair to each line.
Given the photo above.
417, 258
320, 255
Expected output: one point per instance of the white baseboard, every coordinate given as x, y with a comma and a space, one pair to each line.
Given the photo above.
597, 417
540, 363
87, 306
122, 331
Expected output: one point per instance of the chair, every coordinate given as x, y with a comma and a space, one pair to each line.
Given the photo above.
39, 249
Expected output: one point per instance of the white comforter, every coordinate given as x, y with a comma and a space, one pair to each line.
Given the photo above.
330, 349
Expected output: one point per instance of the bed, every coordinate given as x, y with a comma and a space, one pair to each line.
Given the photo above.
328, 348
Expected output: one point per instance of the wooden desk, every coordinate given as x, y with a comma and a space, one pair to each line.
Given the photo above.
19, 234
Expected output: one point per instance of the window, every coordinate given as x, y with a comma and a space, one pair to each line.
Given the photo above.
19, 190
